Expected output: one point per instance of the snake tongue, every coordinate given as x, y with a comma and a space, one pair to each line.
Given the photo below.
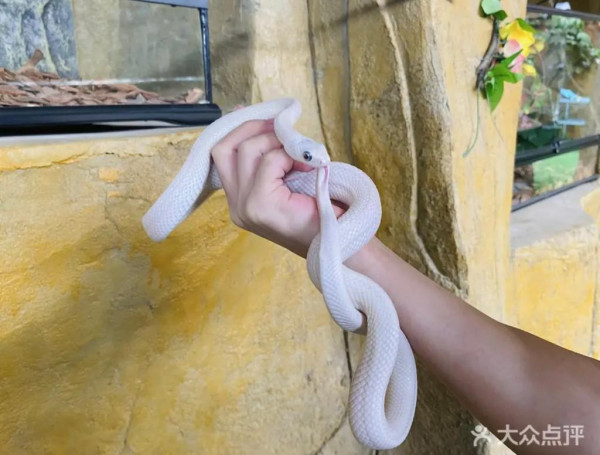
323, 179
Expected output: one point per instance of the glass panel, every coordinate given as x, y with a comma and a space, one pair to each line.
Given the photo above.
99, 52
551, 173
561, 99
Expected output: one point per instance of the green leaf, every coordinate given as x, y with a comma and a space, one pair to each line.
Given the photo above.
508, 60
584, 38
500, 15
511, 78
525, 26
505, 72
494, 89
490, 7
499, 70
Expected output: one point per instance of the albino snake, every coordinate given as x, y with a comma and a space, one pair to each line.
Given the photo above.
384, 389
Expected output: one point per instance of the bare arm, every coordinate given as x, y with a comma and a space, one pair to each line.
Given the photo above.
504, 376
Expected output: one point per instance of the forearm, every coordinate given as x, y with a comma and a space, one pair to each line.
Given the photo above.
503, 376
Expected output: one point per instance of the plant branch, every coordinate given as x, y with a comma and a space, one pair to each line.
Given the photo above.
488, 58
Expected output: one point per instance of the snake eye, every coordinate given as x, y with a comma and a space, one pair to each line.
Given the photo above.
307, 156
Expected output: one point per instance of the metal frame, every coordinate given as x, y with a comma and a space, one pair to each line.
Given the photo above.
562, 12
559, 146
551, 193
48, 119
206, 54
185, 3
21, 120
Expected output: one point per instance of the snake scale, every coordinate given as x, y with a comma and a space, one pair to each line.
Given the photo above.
383, 393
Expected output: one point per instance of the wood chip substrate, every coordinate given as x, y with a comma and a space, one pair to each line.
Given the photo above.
30, 87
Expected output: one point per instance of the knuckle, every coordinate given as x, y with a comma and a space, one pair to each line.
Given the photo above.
272, 157
245, 147
253, 212
218, 149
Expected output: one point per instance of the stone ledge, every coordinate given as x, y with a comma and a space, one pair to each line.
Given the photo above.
555, 215
42, 151
10, 141
555, 269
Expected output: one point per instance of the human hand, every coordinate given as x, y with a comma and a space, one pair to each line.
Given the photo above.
251, 163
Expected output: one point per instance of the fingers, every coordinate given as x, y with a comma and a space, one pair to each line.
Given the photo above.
271, 170
250, 153
224, 153
300, 166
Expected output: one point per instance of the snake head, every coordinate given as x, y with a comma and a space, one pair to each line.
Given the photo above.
310, 152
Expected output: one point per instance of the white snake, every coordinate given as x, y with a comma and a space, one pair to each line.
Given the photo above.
384, 388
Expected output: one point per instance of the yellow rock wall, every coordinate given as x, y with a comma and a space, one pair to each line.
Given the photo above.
214, 341
555, 285
591, 204
211, 342
555, 291
406, 75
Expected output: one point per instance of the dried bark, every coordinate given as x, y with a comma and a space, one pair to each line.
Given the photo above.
30, 87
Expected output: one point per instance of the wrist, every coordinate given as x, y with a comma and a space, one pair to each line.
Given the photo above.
366, 258
365, 261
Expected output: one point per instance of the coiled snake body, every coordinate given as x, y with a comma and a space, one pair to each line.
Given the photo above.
384, 388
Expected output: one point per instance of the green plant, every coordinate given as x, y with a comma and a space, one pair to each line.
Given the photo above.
508, 49
497, 76
493, 8
570, 33
504, 58
563, 47
537, 97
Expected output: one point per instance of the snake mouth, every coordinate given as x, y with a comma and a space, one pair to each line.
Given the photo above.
323, 163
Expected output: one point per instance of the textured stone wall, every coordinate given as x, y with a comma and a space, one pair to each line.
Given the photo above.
592, 206
556, 282
401, 88
214, 342
27, 25
555, 290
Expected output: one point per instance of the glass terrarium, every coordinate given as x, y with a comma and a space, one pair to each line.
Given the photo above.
559, 126
102, 64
